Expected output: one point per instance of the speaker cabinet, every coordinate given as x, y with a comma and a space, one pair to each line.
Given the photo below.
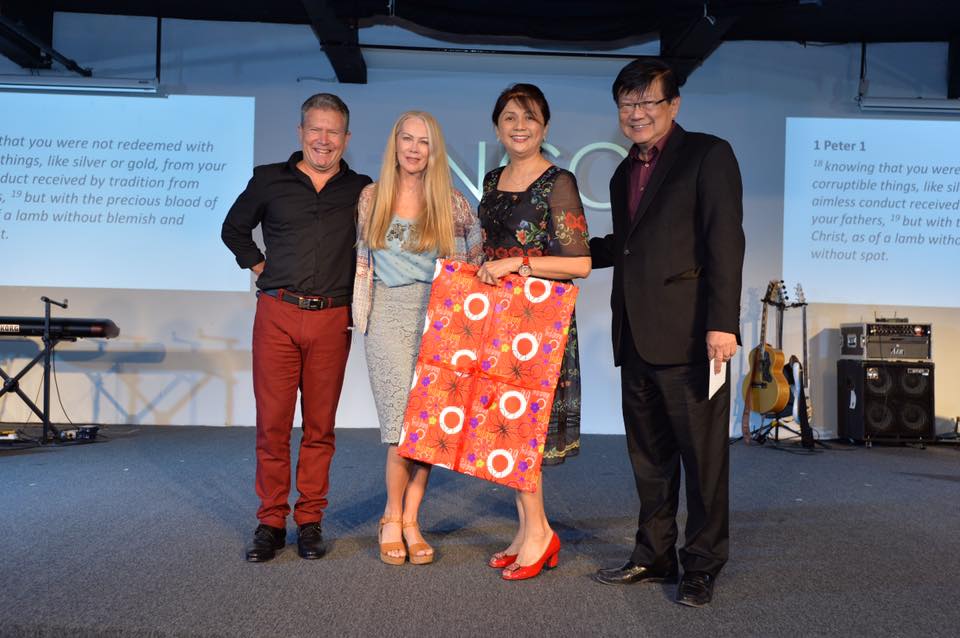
885, 400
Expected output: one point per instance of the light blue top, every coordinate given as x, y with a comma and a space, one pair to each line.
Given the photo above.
395, 265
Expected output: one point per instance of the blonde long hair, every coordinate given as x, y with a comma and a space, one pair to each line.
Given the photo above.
435, 227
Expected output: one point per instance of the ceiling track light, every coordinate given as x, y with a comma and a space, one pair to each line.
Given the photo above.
918, 105
77, 84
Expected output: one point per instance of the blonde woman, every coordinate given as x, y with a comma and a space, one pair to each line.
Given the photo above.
407, 220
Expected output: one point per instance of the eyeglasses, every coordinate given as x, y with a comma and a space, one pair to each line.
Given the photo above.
647, 106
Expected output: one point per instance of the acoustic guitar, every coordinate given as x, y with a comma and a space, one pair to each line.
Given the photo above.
765, 389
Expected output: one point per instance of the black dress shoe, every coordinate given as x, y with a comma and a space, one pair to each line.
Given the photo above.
696, 589
266, 541
310, 543
632, 573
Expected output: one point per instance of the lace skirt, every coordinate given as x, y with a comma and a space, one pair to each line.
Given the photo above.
392, 344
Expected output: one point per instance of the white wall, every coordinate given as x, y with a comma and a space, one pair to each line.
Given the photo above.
183, 357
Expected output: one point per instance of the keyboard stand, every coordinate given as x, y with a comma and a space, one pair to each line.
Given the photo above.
12, 384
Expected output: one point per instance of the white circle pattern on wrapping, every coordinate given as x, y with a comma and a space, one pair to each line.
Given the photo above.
437, 269
534, 347
469, 354
415, 379
503, 404
426, 323
443, 419
538, 298
476, 316
505, 471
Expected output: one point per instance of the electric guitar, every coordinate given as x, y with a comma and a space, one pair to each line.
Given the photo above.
765, 389
806, 419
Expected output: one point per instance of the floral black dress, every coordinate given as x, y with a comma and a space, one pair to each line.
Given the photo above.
545, 219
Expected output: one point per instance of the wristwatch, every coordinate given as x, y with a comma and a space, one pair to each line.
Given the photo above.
525, 270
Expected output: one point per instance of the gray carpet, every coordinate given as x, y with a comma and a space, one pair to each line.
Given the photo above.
142, 534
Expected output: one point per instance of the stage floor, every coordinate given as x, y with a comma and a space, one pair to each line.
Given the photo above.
142, 534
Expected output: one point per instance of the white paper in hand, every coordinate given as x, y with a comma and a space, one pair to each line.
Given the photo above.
717, 379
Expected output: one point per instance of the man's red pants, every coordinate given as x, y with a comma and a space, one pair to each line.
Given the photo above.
305, 350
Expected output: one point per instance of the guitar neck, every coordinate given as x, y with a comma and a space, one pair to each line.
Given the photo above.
779, 326
758, 357
763, 324
804, 319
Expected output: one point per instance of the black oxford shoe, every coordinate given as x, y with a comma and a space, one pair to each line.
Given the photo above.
696, 589
632, 573
310, 543
266, 541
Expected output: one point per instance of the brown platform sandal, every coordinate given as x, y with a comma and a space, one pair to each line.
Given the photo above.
421, 559
393, 546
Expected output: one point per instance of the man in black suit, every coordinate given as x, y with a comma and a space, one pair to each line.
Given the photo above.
677, 254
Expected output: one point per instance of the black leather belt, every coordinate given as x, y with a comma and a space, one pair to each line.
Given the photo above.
307, 302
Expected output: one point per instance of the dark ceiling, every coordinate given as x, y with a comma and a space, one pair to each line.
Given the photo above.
688, 30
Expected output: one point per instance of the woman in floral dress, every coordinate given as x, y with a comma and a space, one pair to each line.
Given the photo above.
534, 224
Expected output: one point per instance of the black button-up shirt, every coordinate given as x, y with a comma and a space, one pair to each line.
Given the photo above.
310, 237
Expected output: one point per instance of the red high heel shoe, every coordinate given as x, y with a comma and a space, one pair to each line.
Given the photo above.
505, 560
549, 560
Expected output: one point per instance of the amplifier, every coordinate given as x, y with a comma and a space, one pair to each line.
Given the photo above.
885, 400
886, 341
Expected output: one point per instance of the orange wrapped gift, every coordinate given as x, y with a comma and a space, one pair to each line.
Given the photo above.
489, 361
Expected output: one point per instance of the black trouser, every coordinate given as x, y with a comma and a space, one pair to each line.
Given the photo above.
669, 421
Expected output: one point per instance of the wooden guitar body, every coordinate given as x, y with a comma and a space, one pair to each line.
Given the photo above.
765, 384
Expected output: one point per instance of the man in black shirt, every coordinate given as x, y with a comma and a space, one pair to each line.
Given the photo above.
306, 209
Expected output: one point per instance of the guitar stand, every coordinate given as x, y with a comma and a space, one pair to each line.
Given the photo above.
12, 384
761, 434
951, 437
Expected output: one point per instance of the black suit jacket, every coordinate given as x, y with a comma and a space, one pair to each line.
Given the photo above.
677, 264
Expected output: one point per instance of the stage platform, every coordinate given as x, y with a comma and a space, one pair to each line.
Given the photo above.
141, 533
